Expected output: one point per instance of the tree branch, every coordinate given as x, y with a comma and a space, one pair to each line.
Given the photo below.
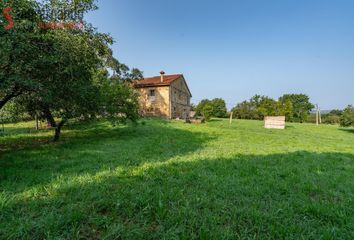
15, 93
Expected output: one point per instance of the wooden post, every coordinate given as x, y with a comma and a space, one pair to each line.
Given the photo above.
231, 116
317, 115
320, 115
37, 125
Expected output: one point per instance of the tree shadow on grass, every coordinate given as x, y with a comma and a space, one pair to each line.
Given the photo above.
295, 195
25, 138
86, 150
349, 130
30, 141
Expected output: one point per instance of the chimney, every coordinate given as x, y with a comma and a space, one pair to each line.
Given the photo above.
162, 73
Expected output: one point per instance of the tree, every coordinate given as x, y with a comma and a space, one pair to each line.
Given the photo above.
123, 73
207, 111
259, 106
70, 90
193, 107
336, 112
267, 107
119, 102
285, 108
136, 74
215, 107
242, 110
61, 73
79, 85
13, 112
347, 118
301, 106
256, 108
201, 105
19, 53
219, 108
333, 117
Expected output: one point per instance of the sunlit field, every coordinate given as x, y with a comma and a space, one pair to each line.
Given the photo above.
171, 180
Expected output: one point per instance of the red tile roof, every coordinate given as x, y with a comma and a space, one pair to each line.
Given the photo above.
156, 81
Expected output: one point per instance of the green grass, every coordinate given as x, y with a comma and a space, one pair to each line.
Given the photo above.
170, 180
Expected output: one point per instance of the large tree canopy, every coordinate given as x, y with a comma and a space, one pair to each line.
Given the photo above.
295, 107
301, 105
63, 72
19, 51
212, 108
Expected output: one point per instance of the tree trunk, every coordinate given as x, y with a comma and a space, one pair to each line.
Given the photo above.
37, 123
48, 115
58, 130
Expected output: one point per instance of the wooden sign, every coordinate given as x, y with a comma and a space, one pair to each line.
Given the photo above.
274, 122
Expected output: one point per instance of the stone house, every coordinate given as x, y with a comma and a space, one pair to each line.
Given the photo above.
165, 96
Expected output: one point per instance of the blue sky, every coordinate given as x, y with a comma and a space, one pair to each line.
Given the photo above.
237, 48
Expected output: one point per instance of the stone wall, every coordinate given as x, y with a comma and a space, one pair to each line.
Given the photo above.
154, 107
161, 105
180, 99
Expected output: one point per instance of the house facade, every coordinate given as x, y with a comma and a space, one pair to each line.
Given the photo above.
165, 96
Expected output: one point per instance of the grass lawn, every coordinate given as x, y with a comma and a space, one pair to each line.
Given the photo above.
170, 180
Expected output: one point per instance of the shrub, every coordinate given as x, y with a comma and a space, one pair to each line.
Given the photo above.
217, 106
331, 119
347, 118
13, 112
207, 112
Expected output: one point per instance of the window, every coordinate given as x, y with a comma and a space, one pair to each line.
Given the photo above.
152, 95
152, 92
